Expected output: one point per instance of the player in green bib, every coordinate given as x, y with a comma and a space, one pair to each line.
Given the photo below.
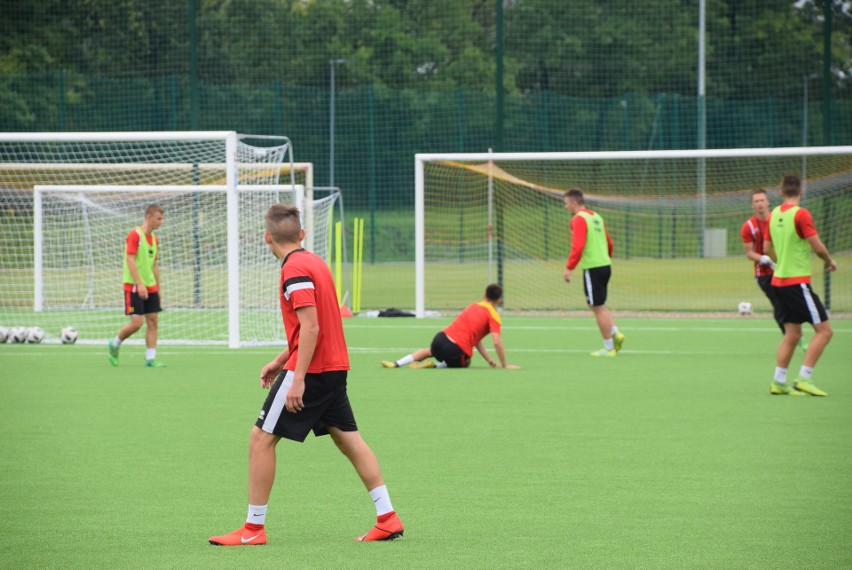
591, 251
141, 277
792, 236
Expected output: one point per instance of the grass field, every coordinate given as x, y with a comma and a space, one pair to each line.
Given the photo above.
672, 455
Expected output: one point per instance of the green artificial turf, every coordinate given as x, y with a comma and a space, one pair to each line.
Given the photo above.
672, 455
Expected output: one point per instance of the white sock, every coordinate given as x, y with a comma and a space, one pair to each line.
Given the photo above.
256, 514
805, 372
781, 375
608, 344
382, 500
150, 353
614, 329
405, 360
440, 365
116, 341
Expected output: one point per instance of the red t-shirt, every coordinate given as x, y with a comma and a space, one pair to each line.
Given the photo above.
579, 229
306, 282
805, 228
132, 247
472, 324
754, 231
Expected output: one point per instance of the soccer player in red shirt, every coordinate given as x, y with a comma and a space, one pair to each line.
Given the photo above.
792, 236
307, 384
753, 233
453, 346
591, 251
141, 277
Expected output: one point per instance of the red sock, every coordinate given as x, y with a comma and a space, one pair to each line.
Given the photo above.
385, 517
252, 526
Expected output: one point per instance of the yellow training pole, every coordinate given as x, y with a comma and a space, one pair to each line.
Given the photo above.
338, 260
360, 260
355, 267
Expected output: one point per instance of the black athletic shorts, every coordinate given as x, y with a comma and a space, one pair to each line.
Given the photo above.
326, 405
595, 281
799, 304
765, 284
136, 305
445, 350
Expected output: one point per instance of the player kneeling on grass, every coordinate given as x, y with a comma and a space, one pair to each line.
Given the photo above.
453, 346
308, 385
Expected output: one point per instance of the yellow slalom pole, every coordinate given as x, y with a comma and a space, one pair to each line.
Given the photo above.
355, 267
338, 260
360, 260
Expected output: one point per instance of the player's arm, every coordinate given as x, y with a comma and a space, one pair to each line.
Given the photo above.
578, 244
501, 352
270, 372
134, 271
822, 252
308, 334
481, 348
762, 259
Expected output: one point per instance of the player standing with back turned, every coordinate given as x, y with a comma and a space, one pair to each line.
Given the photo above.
308, 385
793, 236
591, 251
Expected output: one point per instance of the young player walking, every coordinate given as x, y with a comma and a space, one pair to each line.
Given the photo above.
307, 383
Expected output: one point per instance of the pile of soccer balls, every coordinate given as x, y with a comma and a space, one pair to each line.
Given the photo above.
34, 335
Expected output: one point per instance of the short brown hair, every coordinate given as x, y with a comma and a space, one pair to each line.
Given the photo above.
283, 223
791, 186
758, 191
493, 292
153, 209
575, 194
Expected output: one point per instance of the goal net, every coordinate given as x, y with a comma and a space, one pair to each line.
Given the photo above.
674, 216
69, 200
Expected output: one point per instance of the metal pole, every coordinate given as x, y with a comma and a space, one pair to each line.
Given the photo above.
805, 80
702, 129
331, 105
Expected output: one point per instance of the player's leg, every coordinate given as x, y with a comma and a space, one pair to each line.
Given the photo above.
765, 284
595, 285
823, 332
416, 356
133, 325
388, 525
792, 335
152, 321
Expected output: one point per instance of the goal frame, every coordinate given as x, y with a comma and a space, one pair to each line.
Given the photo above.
421, 159
231, 186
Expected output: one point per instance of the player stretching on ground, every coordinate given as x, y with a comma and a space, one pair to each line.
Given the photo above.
141, 287
793, 236
753, 233
453, 346
308, 384
591, 251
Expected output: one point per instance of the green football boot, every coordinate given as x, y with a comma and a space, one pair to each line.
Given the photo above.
803, 386
782, 389
113, 353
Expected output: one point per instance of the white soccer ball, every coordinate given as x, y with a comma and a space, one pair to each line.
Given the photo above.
18, 335
744, 308
4, 334
68, 335
35, 335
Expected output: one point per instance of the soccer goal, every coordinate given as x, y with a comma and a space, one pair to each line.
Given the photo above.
674, 216
68, 201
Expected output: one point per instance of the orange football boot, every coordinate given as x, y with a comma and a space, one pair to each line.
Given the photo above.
388, 527
243, 536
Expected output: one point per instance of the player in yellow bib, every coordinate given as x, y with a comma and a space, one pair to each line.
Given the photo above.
591, 251
141, 277
792, 236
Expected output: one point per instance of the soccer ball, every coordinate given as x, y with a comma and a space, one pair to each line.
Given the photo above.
18, 334
68, 335
4, 334
35, 335
744, 308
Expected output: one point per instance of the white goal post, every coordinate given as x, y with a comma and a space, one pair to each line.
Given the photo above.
68, 200
674, 215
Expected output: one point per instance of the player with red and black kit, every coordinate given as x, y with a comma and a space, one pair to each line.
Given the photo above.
307, 382
753, 234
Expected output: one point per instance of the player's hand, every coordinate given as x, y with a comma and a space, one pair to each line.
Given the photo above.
269, 373
294, 402
492, 363
831, 266
142, 291
765, 260
512, 367
567, 275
